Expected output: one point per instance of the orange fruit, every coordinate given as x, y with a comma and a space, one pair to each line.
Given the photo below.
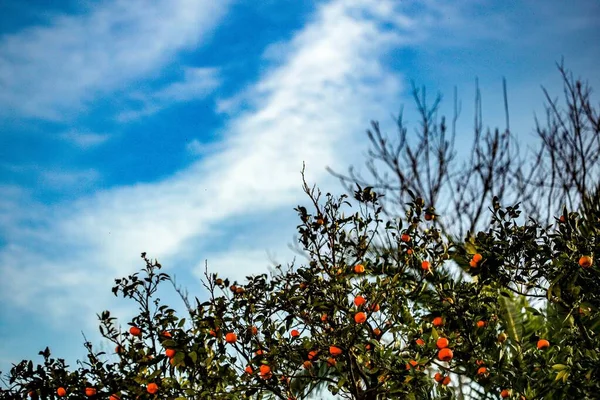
477, 258
482, 371
446, 381
61, 392
420, 342
480, 362
295, 333
502, 337
312, 354
480, 324
231, 337
412, 363
374, 307
445, 354
438, 321
335, 351
438, 377
442, 343
543, 344
118, 349
31, 393
114, 397
585, 261
320, 221
359, 269
212, 333
135, 331
152, 388
377, 332
360, 317
166, 334
265, 371
359, 301
409, 251
170, 353
307, 364
425, 265
90, 391
259, 352
233, 288
253, 330
249, 369
428, 217
405, 238
239, 290
324, 317
505, 393
331, 362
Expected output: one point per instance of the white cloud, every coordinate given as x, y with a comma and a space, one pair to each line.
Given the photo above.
84, 140
311, 107
196, 84
56, 71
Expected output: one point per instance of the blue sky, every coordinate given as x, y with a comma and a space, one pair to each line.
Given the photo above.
179, 127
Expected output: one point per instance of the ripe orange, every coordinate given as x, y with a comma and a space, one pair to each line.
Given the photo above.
359, 301
505, 393
31, 393
170, 353
445, 354
249, 369
442, 343
543, 344
585, 261
295, 333
411, 363
90, 391
420, 342
166, 334
359, 269
212, 333
480, 324
438, 377
61, 392
239, 290
331, 362
377, 332
374, 307
259, 352
231, 337
307, 364
428, 216
135, 331
312, 354
409, 251
253, 330
233, 288
335, 351
118, 349
324, 317
405, 238
114, 397
265, 372
152, 388
446, 381
477, 258
425, 265
502, 337
482, 371
438, 321
360, 317
480, 362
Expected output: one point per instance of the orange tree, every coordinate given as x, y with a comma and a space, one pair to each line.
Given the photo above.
363, 326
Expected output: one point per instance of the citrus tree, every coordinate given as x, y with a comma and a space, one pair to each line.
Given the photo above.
363, 326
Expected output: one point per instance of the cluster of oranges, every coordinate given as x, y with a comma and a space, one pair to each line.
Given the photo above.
475, 260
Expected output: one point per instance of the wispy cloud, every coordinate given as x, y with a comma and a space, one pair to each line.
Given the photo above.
83, 139
196, 84
55, 71
308, 107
